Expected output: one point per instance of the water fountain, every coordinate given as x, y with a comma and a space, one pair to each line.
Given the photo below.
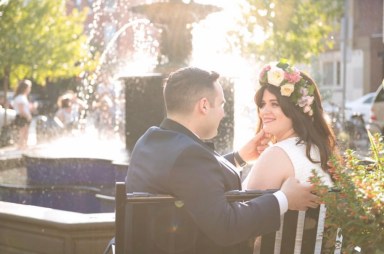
74, 165
58, 179
144, 102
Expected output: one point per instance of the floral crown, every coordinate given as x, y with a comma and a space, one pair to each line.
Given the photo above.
291, 84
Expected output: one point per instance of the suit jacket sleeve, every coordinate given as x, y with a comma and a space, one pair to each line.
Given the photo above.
197, 179
231, 158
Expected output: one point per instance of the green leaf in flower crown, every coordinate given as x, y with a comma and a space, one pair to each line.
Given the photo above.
282, 65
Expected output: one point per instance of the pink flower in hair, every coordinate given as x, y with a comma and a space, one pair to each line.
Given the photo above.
292, 77
263, 71
291, 84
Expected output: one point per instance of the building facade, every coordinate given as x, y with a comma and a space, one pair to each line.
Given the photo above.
363, 56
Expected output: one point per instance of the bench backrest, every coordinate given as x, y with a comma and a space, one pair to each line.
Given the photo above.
141, 214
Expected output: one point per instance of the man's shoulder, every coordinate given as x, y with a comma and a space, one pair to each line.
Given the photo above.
164, 135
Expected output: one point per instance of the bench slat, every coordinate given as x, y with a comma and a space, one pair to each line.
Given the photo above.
289, 232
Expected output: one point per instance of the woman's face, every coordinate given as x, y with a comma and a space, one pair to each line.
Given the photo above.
273, 119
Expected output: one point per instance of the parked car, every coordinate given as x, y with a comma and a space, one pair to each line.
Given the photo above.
376, 121
361, 106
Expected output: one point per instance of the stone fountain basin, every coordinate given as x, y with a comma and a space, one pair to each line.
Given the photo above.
70, 181
39, 230
53, 170
95, 165
80, 199
53, 207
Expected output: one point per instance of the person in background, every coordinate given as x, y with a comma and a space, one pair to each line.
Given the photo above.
65, 113
103, 114
174, 159
72, 111
78, 105
290, 110
23, 110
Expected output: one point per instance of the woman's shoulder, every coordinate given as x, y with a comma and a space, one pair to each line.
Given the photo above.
20, 98
270, 155
269, 170
289, 142
291, 146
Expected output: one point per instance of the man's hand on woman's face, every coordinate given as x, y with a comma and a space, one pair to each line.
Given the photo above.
255, 146
263, 142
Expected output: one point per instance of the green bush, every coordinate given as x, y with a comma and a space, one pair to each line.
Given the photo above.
358, 207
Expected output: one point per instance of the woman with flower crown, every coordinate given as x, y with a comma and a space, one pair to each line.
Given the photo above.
291, 115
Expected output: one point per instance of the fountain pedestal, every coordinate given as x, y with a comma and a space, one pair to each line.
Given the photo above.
143, 93
144, 107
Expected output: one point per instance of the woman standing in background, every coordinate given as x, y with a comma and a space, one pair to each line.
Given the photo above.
23, 112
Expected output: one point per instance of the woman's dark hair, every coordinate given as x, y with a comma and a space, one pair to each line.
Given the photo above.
66, 102
22, 86
313, 130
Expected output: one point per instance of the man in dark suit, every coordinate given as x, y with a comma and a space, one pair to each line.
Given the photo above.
173, 159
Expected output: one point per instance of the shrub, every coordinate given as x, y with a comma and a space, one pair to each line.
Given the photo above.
358, 207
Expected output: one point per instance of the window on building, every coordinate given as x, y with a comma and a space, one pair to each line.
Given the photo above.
338, 73
332, 73
328, 73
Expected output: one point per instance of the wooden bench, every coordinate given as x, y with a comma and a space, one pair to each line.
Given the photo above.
137, 213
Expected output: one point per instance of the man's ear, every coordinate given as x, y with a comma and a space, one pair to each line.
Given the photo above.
203, 105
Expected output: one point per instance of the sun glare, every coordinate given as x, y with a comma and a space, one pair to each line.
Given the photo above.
214, 50
213, 47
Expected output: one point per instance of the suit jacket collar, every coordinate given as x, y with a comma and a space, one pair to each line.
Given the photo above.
172, 125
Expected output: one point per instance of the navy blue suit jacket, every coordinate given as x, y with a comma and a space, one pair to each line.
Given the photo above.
170, 159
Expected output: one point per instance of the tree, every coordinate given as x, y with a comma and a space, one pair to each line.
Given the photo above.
294, 29
40, 41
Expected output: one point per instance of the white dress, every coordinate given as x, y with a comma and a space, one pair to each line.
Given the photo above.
303, 170
301, 164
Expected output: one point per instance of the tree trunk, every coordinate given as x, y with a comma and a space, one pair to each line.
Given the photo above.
7, 71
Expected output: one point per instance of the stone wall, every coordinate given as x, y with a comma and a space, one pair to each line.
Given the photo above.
37, 230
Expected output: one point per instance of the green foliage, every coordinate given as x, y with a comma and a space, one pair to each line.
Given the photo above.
295, 29
40, 41
359, 207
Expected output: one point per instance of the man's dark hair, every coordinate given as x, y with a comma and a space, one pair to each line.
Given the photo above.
186, 86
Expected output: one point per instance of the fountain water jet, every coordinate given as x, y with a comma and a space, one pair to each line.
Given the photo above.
175, 18
139, 88
143, 93
144, 108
